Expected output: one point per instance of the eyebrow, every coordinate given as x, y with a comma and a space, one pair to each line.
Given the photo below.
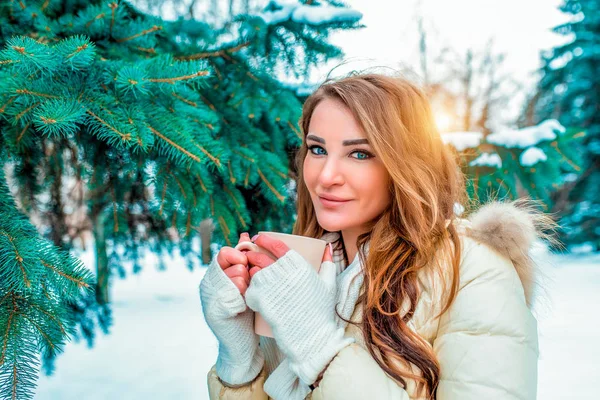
345, 142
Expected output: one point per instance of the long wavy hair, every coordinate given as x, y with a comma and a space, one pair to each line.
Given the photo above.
426, 182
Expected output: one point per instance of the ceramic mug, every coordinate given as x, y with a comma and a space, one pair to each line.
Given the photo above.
310, 248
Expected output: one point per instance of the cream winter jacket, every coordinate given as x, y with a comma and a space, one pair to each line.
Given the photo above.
486, 342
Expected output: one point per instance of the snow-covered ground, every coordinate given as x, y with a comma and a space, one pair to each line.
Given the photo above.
160, 347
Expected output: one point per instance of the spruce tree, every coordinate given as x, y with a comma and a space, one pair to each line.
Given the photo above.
162, 124
569, 90
514, 163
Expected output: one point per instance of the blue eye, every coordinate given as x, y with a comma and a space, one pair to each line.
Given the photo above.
310, 148
365, 153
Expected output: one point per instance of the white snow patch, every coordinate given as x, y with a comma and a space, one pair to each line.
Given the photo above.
530, 136
305, 14
458, 209
462, 140
161, 348
532, 156
488, 160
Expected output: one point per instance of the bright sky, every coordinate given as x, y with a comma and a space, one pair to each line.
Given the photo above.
520, 29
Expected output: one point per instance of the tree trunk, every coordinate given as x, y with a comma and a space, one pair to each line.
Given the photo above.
102, 272
206, 229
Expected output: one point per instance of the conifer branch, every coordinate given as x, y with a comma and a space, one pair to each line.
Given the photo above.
52, 317
281, 174
26, 91
571, 163
178, 147
231, 177
113, 7
191, 103
293, 128
40, 330
225, 229
124, 136
79, 282
7, 330
142, 33
266, 181
10, 100
218, 53
213, 158
237, 204
201, 183
22, 113
23, 132
97, 17
17, 257
150, 50
247, 177
208, 103
244, 156
78, 50
180, 186
178, 78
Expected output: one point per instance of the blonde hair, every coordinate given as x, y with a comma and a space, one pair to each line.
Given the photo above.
426, 182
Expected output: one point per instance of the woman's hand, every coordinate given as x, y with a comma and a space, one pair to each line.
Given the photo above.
299, 305
240, 359
276, 247
235, 264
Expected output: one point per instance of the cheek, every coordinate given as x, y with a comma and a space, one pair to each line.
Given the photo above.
308, 174
376, 185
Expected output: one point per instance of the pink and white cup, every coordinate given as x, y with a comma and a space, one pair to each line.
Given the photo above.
310, 248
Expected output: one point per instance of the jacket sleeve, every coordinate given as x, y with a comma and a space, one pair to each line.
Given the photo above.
251, 391
487, 343
354, 375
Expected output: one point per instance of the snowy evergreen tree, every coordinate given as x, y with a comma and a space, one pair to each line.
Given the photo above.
160, 125
569, 91
516, 163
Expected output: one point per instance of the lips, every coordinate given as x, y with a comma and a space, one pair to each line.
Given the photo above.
332, 203
333, 198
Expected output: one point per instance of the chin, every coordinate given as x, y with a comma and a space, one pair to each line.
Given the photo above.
332, 224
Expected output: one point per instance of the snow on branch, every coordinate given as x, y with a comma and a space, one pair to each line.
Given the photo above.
284, 10
526, 137
487, 159
462, 140
532, 156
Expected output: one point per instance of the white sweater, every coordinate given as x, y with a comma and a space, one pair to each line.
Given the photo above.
281, 382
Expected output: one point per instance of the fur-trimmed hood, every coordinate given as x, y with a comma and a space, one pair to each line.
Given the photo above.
512, 228
509, 227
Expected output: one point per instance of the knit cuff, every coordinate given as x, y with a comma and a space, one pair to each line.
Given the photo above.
236, 374
282, 383
308, 369
217, 284
290, 263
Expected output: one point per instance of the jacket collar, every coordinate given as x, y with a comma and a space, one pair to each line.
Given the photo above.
511, 228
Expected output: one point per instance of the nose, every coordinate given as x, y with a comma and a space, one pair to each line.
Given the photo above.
331, 173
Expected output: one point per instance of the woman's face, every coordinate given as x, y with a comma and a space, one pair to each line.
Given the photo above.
347, 171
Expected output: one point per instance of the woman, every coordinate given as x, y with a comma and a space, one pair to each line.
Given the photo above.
430, 306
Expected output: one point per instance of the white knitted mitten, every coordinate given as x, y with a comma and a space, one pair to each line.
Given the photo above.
299, 305
240, 360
